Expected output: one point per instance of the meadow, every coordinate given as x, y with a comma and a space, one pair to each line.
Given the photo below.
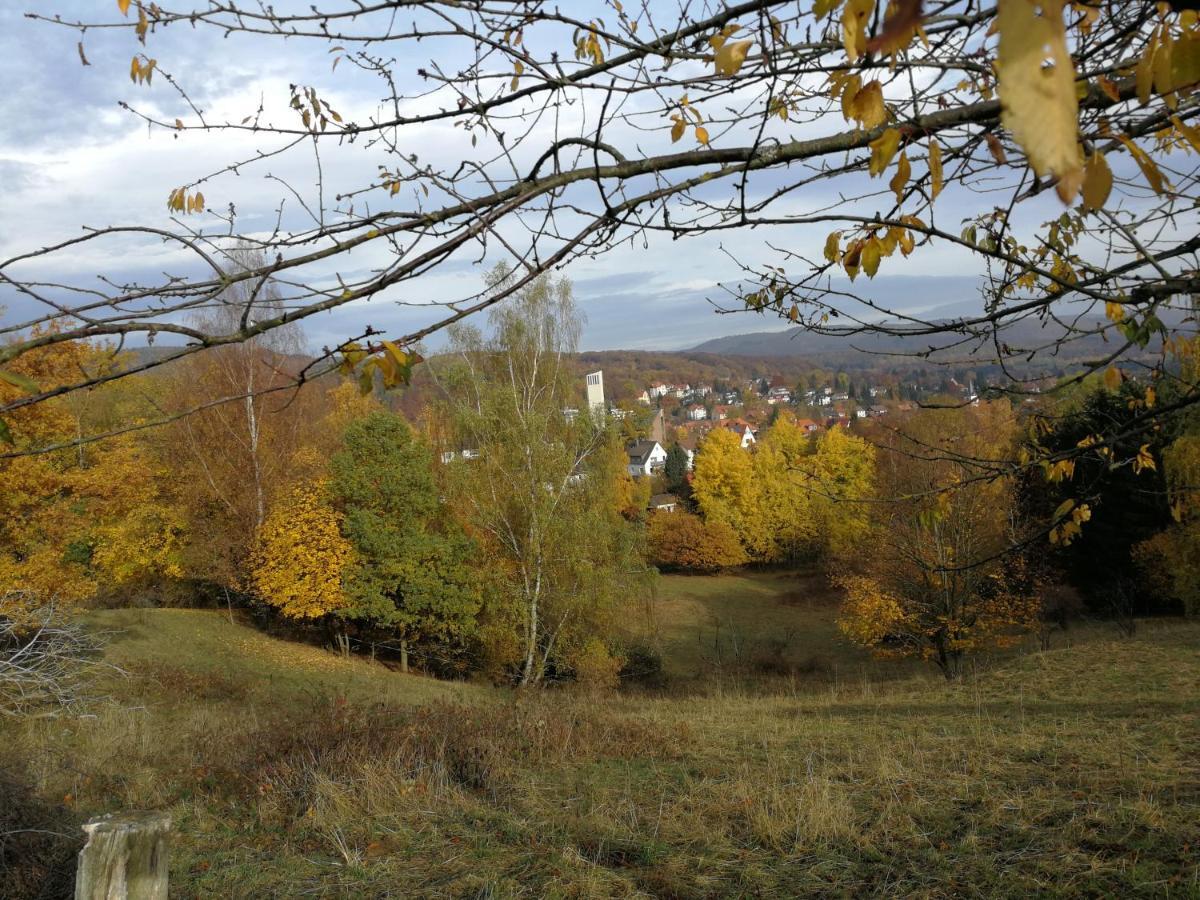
773, 759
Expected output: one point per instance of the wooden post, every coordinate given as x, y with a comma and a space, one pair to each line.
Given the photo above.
125, 857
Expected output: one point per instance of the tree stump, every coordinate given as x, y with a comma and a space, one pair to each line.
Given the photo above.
125, 857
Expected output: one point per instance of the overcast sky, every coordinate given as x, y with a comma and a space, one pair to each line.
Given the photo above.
71, 157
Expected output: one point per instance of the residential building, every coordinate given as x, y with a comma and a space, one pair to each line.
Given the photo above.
696, 412
742, 430
666, 503
645, 458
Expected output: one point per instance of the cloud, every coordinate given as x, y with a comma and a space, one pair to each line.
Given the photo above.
70, 157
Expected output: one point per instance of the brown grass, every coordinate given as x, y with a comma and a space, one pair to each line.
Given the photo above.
1070, 772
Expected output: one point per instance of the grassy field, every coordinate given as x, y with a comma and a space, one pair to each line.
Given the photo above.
292, 773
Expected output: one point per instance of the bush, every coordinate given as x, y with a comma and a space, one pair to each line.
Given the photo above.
683, 542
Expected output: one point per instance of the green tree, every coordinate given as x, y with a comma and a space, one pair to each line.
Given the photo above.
412, 574
676, 467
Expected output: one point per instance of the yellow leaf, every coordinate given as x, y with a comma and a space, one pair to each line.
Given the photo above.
135, 69
1144, 460
848, 90
1144, 73
730, 57
1112, 378
179, 124
123, 6
822, 8
1190, 134
907, 243
867, 106
935, 168
854, 26
900, 179
1038, 101
1146, 164
871, 253
702, 135
1114, 311
883, 148
1097, 181
677, 129
833, 246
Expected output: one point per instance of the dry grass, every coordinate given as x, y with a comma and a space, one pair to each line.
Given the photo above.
1072, 772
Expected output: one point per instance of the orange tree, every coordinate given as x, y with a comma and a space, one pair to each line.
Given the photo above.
682, 541
936, 582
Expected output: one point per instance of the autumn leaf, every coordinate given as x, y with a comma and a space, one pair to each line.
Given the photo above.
1038, 101
1149, 168
935, 169
867, 107
123, 6
677, 129
871, 254
17, 380
702, 135
883, 148
832, 246
854, 26
900, 179
1097, 182
730, 56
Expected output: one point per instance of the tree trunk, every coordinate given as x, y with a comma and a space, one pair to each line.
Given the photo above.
125, 857
404, 657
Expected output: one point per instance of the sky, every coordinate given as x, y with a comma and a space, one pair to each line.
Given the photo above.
71, 157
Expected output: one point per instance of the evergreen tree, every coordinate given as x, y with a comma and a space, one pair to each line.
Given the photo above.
412, 574
676, 467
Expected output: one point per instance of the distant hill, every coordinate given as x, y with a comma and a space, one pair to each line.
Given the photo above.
798, 342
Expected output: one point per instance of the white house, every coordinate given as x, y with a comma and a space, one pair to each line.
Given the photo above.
666, 503
696, 412
645, 458
742, 430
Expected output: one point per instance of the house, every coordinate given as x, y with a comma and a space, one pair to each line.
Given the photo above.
808, 426
742, 430
666, 503
645, 458
644, 398
658, 390
779, 395
720, 413
696, 412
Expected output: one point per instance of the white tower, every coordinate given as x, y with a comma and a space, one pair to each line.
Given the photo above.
595, 393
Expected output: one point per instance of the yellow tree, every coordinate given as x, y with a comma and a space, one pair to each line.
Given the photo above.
843, 475
727, 490
79, 519
936, 583
300, 556
783, 469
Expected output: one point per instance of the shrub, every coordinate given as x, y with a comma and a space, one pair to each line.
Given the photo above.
684, 542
